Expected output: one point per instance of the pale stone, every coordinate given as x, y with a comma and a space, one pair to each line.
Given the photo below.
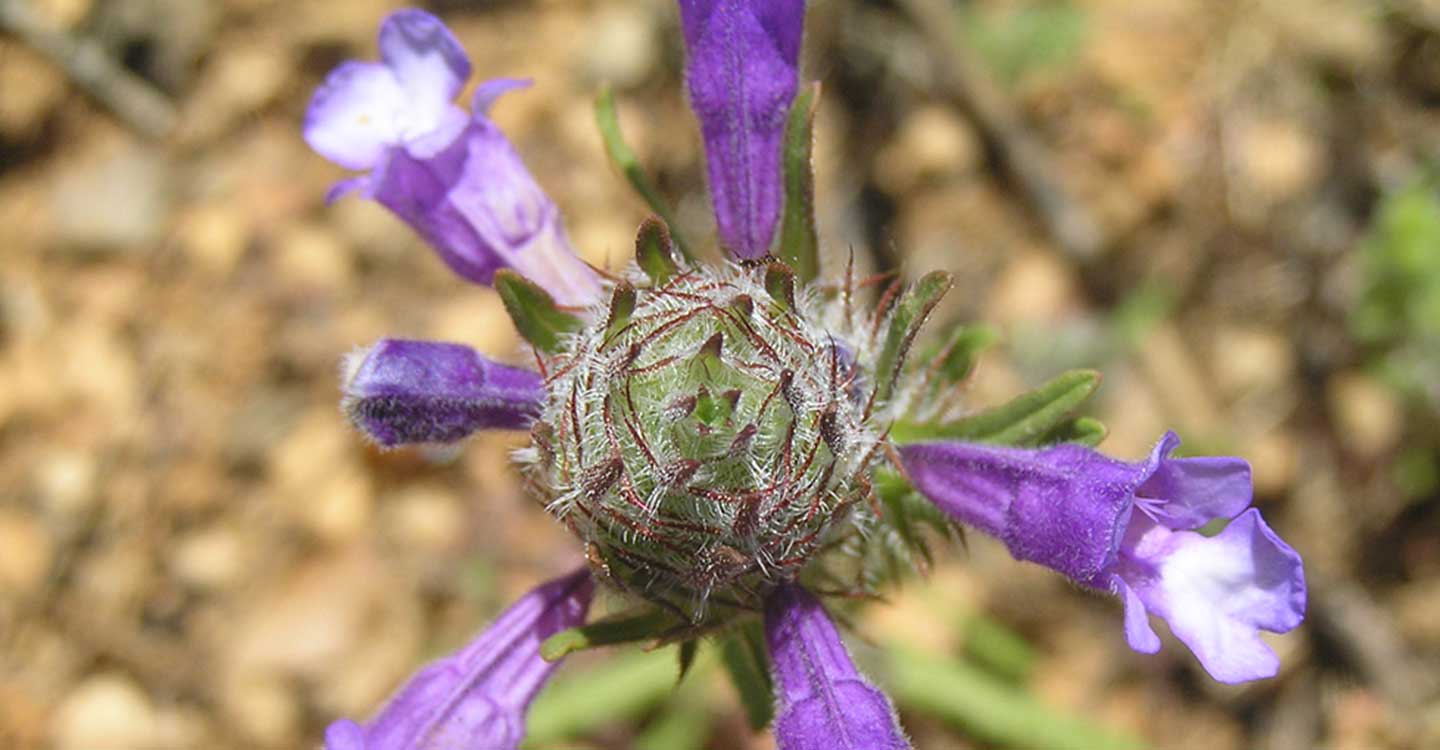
477, 320
1034, 287
66, 483
210, 558
1250, 358
312, 256
263, 708
214, 236
933, 142
26, 553
1277, 158
1274, 458
426, 518
33, 88
1368, 416
621, 49
111, 200
105, 712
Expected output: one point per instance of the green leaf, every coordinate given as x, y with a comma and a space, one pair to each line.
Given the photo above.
987, 708
620, 690
905, 322
1017, 422
746, 660
624, 160
1087, 431
534, 311
998, 649
622, 306
625, 628
952, 360
654, 251
799, 244
686, 655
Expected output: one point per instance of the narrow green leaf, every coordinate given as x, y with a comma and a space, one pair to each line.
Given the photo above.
1087, 431
953, 359
747, 661
624, 160
675, 728
620, 690
988, 708
799, 244
1016, 422
998, 649
625, 628
905, 322
534, 311
654, 251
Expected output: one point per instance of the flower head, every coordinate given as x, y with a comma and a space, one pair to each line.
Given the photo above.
1130, 528
451, 175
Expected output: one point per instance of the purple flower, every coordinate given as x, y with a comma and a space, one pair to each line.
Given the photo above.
1074, 510
400, 391
452, 176
824, 701
478, 697
744, 56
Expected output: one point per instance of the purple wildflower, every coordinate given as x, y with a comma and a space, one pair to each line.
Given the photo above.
1074, 510
400, 391
824, 701
476, 698
744, 57
451, 176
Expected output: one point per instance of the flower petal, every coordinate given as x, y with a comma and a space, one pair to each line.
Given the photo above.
427, 62
400, 391
1195, 491
478, 696
489, 91
1218, 592
824, 701
1064, 507
351, 118
743, 75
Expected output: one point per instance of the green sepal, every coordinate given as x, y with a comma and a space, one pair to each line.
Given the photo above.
952, 360
1086, 431
905, 321
746, 660
649, 625
780, 284
653, 251
625, 160
685, 656
534, 311
1016, 422
622, 306
798, 244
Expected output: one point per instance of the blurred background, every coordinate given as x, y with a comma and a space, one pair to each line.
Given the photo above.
1230, 208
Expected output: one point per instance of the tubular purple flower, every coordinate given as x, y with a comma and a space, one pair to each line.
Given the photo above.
1074, 510
825, 703
743, 75
452, 176
400, 391
476, 698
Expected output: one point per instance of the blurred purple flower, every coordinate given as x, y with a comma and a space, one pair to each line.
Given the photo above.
1073, 510
401, 391
452, 176
478, 697
743, 74
824, 701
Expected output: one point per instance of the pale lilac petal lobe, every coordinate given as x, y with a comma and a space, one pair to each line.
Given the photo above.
743, 75
478, 696
401, 391
489, 91
344, 734
1195, 491
1217, 593
350, 120
825, 703
1138, 632
427, 60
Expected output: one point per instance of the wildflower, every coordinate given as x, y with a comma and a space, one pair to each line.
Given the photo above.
1130, 529
452, 176
477, 697
722, 439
